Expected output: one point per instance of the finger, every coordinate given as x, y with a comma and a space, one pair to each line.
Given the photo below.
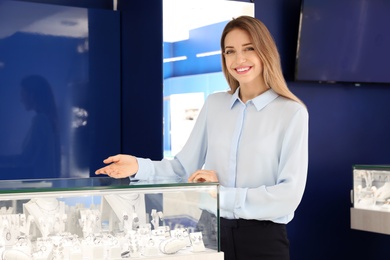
104, 170
200, 178
111, 159
100, 171
193, 176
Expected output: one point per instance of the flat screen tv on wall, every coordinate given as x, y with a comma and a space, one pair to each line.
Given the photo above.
344, 41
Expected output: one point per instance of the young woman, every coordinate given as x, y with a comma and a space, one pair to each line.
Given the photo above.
253, 140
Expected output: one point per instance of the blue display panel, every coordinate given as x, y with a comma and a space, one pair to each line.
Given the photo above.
59, 89
344, 41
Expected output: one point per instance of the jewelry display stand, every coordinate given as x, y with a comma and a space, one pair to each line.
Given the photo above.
124, 212
108, 222
48, 215
371, 198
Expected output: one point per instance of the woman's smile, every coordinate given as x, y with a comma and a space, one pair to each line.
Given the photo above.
243, 70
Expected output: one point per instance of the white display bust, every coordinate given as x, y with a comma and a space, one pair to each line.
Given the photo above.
48, 213
121, 209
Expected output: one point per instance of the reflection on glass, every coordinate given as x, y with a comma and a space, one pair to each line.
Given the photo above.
40, 149
42, 139
53, 79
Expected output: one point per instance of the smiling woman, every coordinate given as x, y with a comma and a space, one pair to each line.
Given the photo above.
253, 140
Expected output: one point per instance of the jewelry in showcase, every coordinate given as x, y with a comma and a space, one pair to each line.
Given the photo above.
89, 221
172, 245
372, 189
155, 218
197, 242
182, 234
124, 212
22, 241
10, 228
134, 249
48, 214
145, 229
13, 254
143, 242
135, 219
6, 211
51, 228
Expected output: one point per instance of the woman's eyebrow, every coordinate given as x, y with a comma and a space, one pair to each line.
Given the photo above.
245, 44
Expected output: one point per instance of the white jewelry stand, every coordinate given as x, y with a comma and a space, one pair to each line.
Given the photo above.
197, 242
123, 210
48, 213
383, 192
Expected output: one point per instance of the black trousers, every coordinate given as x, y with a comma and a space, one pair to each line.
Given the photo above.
253, 240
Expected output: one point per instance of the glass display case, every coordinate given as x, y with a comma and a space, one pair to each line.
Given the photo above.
371, 198
105, 218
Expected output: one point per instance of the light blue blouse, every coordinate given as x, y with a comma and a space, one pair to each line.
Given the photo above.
258, 149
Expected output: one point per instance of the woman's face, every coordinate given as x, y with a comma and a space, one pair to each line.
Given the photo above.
241, 60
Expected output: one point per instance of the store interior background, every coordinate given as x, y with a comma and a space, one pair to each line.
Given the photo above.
348, 123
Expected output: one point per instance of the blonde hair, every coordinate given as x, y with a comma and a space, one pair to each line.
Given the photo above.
265, 47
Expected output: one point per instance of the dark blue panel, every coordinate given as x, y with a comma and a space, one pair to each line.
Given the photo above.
55, 87
104, 4
142, 79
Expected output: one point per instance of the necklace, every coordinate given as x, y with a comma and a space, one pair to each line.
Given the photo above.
48, 206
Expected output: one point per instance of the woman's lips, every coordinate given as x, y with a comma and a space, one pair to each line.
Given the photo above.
242, 70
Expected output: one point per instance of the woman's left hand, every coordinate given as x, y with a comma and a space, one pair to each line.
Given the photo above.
203, 176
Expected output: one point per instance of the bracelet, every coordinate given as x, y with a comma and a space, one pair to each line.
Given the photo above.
11, 254
171, 245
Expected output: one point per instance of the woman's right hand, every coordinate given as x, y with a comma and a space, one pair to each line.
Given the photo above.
203, 176
119, 166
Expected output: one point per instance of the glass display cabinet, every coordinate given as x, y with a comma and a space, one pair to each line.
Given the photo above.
371, 198
105, 218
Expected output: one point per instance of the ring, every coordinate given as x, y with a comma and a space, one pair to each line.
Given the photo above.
8, 236
150, 242
125, 254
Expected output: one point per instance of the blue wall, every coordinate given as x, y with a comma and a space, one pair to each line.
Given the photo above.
348, 125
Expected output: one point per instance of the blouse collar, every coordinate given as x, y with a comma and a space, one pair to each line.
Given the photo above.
260, 101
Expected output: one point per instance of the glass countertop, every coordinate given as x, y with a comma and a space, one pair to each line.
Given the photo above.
92, 183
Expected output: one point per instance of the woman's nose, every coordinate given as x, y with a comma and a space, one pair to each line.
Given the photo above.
240, 57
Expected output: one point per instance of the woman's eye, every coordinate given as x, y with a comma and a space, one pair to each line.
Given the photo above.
229, 52
249, 49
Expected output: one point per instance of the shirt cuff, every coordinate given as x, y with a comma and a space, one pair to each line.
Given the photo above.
145, 169
227, 198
